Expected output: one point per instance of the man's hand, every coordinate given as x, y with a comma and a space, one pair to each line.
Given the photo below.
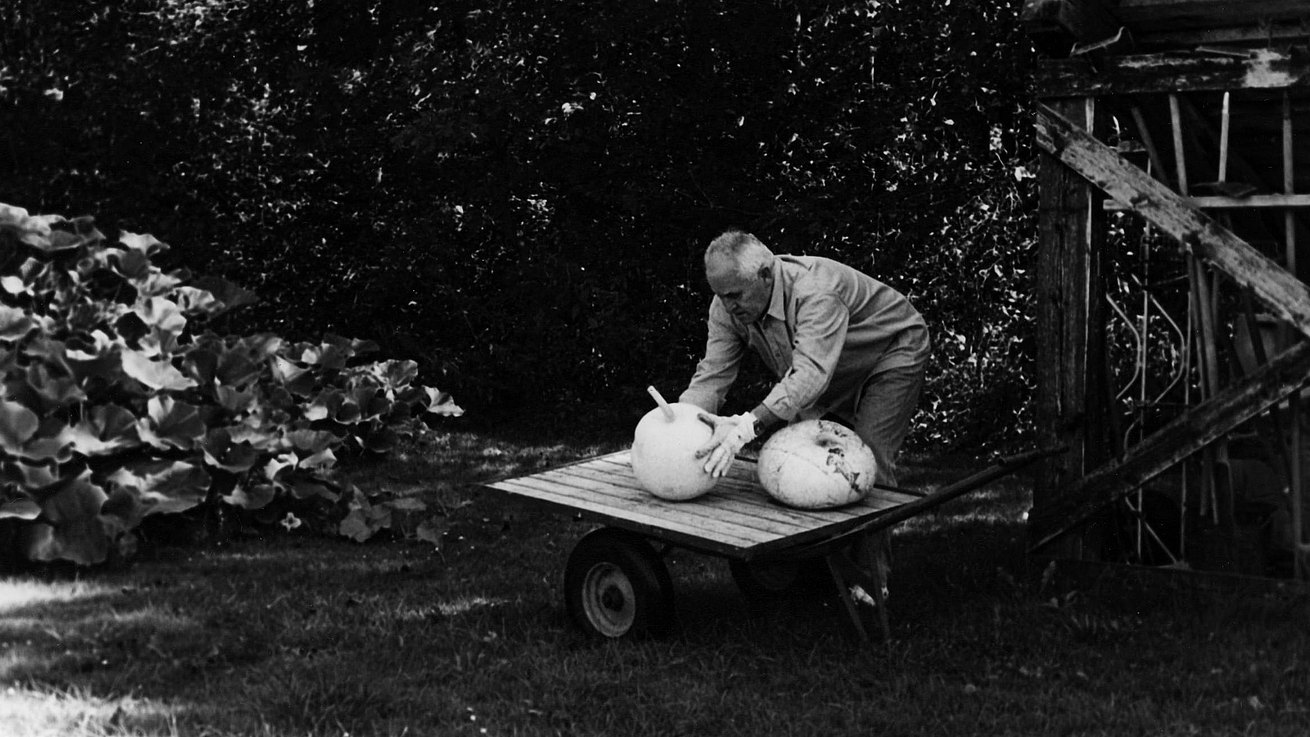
731, 434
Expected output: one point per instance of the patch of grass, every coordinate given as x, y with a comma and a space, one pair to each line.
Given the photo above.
303, 635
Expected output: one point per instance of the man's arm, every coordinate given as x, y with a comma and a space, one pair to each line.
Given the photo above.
716, 372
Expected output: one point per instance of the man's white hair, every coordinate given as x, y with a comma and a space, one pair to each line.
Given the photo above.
742, 249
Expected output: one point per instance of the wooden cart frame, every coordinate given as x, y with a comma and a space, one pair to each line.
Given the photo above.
616, 584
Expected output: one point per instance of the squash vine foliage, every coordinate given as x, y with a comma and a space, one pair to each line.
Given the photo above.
120, 403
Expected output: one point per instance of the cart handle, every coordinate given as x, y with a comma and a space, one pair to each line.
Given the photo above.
1003, 467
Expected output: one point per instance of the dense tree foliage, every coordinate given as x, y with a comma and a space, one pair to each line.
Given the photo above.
517, 193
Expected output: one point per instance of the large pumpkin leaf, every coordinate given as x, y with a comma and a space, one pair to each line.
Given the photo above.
261, 345
30, 476
324, 405
221, 452
393, 374
71, 527
104, 430
296, 379
29, 229
157, 375
89, 346
15, 324
319, 461
59, 240
191, 300
201, 362
93, 359
279, 464
441, 403
14, 285
231, 295
156, 487
17, 425
234, 400
157, 283
54, 390
47, 350
307, 487
50, 444
26, 509
333, 352
370, 403
326, 356
171, 424
131, 264
255, 434
252, 497
311, 441
236, 369
143, 243
161, 314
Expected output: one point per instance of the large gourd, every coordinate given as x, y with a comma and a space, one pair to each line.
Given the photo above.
663, 451
816, 464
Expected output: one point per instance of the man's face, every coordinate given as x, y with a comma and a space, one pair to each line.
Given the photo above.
746, 297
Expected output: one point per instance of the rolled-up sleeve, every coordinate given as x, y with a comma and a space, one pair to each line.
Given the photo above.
820, 333
724, 348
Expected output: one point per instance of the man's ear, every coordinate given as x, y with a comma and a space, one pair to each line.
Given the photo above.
765, 273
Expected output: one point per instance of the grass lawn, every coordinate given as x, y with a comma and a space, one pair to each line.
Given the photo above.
300, 635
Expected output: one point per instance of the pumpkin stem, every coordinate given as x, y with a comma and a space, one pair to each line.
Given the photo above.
668, 411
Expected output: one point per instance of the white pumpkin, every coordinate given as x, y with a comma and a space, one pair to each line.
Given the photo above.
816, 464
663, 453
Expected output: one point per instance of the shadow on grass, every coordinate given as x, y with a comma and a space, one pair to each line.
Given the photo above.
299, 635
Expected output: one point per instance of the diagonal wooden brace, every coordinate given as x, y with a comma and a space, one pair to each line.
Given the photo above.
1284, 294
1182, 437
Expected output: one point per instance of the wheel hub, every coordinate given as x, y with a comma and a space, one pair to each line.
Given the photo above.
608, 600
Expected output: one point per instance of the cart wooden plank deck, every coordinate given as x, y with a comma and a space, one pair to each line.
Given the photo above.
616, 583
736, 519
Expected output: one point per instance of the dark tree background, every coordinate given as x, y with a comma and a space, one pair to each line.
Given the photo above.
516, 194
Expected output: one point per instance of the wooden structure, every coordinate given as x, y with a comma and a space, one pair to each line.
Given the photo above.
1171, 290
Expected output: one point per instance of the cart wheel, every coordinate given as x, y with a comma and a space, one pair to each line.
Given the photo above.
616, 585
773, 579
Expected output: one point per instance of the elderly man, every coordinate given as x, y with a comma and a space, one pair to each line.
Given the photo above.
840, 342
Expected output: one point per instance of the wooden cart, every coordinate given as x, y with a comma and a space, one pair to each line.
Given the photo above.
616, 583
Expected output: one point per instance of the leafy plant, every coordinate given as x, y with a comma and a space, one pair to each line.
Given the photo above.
119, 402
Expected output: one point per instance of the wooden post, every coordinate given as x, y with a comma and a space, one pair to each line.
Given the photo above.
1071, 401
1296, 484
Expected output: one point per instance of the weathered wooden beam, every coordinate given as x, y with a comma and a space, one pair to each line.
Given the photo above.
1230, 203
1056, 25
1174, 14
1185, 435
1152, 73
1284, 294
1242, 35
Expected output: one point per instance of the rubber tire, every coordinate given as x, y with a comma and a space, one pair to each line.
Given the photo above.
765, 580
616, 586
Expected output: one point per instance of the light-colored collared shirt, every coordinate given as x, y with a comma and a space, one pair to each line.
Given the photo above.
828, 329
